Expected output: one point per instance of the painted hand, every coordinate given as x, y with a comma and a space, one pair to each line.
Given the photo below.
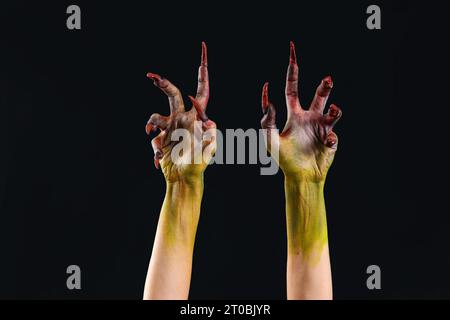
190, 162
307, 143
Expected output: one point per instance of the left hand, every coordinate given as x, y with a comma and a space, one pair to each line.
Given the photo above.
307, 143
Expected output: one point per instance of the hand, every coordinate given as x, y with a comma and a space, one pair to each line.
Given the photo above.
181, 119
307, 144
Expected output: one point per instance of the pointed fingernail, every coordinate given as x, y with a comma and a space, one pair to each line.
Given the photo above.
204, 55
331, 141
292, 56
202, 115
157, 157
154, 76
148, 128
265, 97
328, 82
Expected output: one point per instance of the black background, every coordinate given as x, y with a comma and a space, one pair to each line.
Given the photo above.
77, 182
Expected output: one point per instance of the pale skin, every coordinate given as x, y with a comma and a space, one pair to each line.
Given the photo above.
169, 271
307, 146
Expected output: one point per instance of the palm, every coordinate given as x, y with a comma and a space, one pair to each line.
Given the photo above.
307, 144
183, 164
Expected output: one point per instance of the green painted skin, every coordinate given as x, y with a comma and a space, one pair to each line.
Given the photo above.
181, 211
305, 162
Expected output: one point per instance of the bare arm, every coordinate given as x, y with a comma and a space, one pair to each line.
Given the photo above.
306, 150
169, 272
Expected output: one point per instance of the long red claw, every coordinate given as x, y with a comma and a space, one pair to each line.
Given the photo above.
157, 157
155, 77
292, 56
265, 97
202, 115
204, 61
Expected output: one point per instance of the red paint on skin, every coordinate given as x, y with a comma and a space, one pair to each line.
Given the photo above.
202, 115
334, 111
328, 82
154, 76
325, 87
265, 97
148, 128
331, 140
204, 60
292, 55
199, 103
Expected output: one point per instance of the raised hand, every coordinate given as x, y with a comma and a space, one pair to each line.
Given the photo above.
183, 163
304, 150
307, 143
163, 144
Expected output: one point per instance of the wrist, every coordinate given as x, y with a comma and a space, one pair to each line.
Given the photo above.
305, 216
181, 211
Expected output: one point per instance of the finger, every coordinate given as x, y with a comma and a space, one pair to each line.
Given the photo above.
201, 114
203, 79
321, 96
268, 122
155, 122
333, 116
175, 99
291, 90
331, 140
157, 149
269, 118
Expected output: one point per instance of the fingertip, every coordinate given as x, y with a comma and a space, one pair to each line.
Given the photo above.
335, 111
328, 82
148, 128
204, 59
331, 142
153, 76
265, 97
292, 55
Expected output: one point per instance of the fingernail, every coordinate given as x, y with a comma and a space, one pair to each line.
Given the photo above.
292, 56
265, 98
334, 111
331, 142
204, 55
148, 128
328, 82
154, 76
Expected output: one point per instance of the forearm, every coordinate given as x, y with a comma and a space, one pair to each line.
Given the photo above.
308, 263
169, 271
